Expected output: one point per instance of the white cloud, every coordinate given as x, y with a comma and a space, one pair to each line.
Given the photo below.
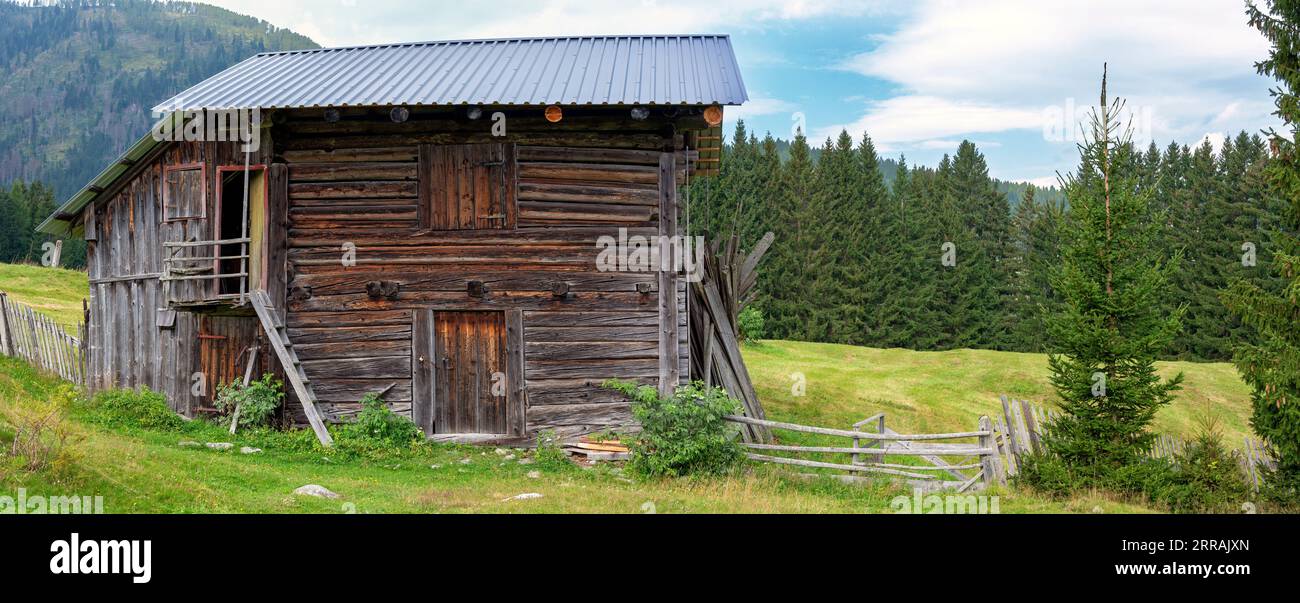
761, 105
346, 22
913, 119
964, 68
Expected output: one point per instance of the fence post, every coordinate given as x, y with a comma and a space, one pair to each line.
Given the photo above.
988, 459
6, 346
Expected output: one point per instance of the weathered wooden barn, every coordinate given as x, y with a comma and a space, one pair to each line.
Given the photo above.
416, 220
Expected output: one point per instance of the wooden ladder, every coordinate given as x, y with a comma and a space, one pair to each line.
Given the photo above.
279, 337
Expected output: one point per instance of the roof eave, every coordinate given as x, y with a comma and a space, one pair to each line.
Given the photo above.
60, 222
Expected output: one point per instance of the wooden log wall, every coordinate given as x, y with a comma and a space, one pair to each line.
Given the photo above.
131, 343
356, 184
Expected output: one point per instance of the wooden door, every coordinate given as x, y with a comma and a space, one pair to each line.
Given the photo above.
468, 373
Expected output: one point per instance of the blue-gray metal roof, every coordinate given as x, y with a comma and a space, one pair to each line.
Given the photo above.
599, 70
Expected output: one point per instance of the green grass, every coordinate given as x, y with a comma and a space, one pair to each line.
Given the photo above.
140, 471
928, 392
54, 292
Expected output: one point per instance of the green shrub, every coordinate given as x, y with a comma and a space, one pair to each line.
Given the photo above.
1206, 476
377, 429
1203, 478
549, 449
751, 324
257, 402
145, 409
681, 434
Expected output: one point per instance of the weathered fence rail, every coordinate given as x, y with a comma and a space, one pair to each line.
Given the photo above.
868, 451
38, 339
1020, 428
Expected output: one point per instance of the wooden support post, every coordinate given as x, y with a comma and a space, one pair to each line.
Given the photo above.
6, 342
669, 347
988, 460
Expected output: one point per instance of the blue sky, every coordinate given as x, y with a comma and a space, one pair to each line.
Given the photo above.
1015, 76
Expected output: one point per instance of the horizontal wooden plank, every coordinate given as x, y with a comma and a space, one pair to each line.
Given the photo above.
352, 349
456, 276
390, 367
542, 190
399, 331
596, 371
546, 392
591, 319
585, 236
339, 190
586, 212
581, 414
552, 137
449, 300
352, 390
590, 172
301, 319
358, 171
608, 350
582, 333
408, 153
341, 412
587, 155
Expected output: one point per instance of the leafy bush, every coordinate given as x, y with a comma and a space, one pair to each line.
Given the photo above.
751, 324
549, 451
377, 429
257, 402
1204, 478
681, 434
145, 409
39, 435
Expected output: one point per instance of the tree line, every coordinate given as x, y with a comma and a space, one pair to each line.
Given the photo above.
23, 206
936, 258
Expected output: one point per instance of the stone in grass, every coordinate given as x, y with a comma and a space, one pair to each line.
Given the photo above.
315, 490
526, 461
220, 445
250, 450
524, 496
534, 474
188, 444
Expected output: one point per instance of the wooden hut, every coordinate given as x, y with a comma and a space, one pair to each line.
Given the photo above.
420, 221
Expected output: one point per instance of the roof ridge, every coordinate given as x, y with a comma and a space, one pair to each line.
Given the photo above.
486, 40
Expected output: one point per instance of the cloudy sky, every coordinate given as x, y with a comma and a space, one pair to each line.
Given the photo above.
918, 76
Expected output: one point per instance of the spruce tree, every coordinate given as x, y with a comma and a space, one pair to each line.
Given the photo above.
1272, 366
1110, 327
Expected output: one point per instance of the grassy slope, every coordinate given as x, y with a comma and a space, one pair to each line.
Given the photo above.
948, 391
139, 471
57, 293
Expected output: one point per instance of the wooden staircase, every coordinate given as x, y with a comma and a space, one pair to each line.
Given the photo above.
279, 337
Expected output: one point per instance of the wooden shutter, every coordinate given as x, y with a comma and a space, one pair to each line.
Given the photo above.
467, 186
183, 194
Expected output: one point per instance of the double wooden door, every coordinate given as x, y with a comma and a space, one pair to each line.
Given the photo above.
468, 372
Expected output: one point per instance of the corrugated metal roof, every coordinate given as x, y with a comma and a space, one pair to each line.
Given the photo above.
601, 70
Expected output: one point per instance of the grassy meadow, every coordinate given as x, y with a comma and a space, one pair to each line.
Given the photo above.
139, 470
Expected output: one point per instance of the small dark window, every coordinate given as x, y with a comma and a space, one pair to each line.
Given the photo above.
183, 197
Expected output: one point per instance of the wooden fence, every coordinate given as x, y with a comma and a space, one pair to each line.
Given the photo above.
1019, 430
38, 339
870, 444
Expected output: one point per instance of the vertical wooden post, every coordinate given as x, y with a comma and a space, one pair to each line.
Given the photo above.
669, 348
988, 459
84, 331
6, 345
